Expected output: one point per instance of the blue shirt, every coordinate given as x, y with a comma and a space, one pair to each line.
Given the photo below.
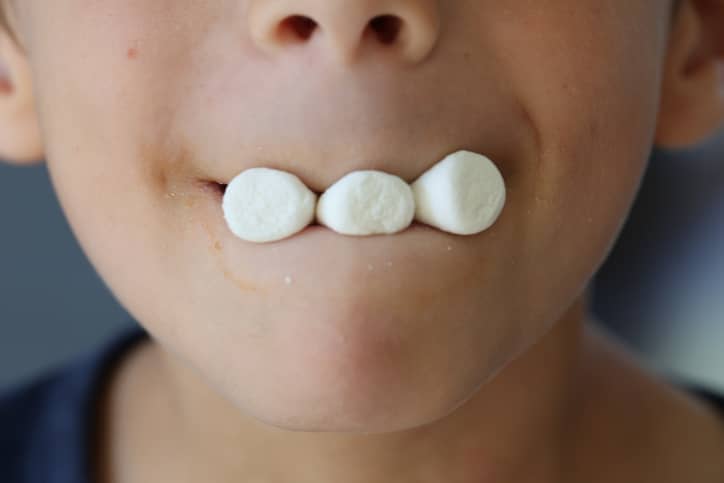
46, 424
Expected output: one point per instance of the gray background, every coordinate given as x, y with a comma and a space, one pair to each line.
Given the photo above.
661, 289
53, 305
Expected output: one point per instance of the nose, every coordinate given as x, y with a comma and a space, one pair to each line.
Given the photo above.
407, 30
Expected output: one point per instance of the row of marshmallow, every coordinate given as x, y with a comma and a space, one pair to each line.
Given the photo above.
462, 194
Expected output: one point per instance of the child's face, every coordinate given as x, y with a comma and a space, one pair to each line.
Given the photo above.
143, 104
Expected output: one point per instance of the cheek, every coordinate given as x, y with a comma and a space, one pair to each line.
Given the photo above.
590, 87
117, 215
113, 186
100, 114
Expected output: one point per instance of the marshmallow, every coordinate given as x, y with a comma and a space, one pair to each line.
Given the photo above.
367, 203
462, 194
263, 205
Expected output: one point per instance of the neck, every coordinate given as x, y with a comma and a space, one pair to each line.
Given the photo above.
514, 428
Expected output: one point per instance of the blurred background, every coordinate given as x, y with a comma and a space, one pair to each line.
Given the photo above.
662, 286
661, 289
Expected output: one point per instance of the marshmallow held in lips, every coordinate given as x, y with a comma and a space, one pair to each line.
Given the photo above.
264, 205
462, 194
367, 203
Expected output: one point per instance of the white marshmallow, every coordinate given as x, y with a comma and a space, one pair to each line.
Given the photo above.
264, 205
462, 194
367, 203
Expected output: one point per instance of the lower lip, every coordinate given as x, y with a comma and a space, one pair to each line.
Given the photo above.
314, 227
322, 232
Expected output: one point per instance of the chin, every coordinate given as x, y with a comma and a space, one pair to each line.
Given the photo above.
362, 366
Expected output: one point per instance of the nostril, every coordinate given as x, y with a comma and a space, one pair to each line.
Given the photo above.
297, 27
387, 27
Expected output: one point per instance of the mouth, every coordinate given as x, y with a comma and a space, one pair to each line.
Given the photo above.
219, 187
463, 193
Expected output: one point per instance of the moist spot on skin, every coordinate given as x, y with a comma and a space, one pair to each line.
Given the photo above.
243, 285
215, 248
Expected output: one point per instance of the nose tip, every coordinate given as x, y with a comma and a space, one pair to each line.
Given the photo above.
407, 30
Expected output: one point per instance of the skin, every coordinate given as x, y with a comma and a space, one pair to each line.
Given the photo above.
454, 358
